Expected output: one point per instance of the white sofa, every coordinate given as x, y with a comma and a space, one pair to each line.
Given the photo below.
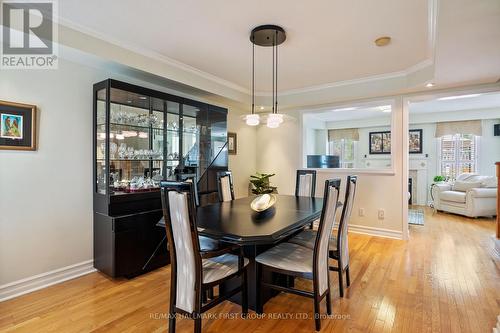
471, 195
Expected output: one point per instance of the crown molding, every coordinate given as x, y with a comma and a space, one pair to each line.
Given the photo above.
388, 76
152, 54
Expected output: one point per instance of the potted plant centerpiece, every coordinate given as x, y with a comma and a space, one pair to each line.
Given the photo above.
261, 186
261, 183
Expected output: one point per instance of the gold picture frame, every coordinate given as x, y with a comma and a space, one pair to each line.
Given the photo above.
232, 143
18, 124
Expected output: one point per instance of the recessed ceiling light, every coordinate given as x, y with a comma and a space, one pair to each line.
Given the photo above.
143, 97
430, 85
383, 41
448, 98
262, 108
129, 101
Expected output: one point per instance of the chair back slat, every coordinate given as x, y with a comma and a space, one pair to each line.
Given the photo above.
321, 247
342, 239
182, 235
305, 185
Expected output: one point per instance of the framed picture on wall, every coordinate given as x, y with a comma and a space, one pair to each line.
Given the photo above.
380, 142
415, 141
232, 143
17, 126
386, 142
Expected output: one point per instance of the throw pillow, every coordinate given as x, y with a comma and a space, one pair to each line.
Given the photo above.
462, 186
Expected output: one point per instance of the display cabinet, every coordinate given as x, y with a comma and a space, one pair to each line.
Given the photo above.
142, 136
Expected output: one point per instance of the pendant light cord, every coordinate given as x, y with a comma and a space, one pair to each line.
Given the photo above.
276, 84
274, 45
253, 75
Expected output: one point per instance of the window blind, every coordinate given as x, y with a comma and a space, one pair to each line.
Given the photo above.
458, 154
458, 127
345, 133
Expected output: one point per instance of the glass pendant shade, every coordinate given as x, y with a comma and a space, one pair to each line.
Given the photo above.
252, 119
275, 118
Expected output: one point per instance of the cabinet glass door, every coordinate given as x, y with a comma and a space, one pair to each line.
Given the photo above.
172, 139
100, 141
195, 138
135, 142
217, 120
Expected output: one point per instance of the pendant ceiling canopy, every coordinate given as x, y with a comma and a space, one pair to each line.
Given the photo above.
268, 35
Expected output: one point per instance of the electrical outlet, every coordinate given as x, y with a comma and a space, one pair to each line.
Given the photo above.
361, 212
381, 214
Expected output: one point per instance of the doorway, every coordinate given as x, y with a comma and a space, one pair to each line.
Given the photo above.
452, 149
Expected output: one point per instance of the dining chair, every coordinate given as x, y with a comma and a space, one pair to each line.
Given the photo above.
225, 186
305, 183
299, 261
194, 271
196, 195
206, 243
340, 241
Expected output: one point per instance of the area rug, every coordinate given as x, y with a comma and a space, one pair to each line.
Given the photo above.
416, 216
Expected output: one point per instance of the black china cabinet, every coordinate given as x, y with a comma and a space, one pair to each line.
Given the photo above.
142, 136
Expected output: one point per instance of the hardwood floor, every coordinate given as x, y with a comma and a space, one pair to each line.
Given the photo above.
445, 279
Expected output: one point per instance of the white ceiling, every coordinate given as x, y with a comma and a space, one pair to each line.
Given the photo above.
468, 42
202, 48
328, 41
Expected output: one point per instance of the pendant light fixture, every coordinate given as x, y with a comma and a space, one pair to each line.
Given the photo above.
267, 36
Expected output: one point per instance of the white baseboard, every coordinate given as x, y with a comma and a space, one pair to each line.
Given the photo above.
380, 232
40, 281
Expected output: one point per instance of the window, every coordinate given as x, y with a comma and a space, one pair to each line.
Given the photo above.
344, 148
458, 154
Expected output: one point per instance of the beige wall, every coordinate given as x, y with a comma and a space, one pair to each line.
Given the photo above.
279, 151
244, 163
46, 195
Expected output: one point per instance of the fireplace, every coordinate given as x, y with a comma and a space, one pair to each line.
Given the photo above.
410, 190
417, 182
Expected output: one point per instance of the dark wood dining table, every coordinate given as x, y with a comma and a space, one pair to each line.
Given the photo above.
235, 222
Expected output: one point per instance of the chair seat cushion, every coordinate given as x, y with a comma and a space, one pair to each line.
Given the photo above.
289, 257
453, 196
208, 244
217, 268
307, 238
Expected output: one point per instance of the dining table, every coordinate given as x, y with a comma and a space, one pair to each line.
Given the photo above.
236, 223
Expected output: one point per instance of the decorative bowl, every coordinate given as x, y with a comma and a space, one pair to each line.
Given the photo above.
263, 202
